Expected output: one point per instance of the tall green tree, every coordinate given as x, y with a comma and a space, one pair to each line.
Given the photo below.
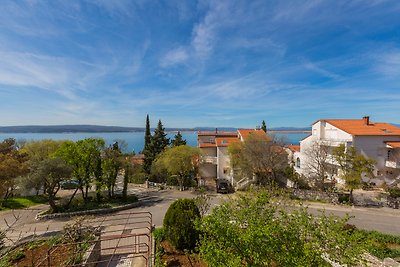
178, 140
147, 151
159, 141
264, 126
112, 164
353, 166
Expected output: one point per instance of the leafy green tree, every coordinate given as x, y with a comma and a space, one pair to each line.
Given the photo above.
179, 224
353, 166
83, 157
181, 161
264, 126
38, 151
178, 140
257, 230
260, 157
52, 171
13, 164
147, 151
111, 165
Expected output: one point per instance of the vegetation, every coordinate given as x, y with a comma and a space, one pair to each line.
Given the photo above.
259, 157
13, 163
23, 202
180, 162
179, 224
264, 126
353, 165
148, 159
382, 245
259, 231
178, 140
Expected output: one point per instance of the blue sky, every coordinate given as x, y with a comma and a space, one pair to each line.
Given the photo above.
198, 63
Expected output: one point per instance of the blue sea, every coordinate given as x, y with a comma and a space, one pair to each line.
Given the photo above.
134, 140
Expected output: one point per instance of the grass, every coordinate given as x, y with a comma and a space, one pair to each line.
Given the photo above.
91, 204
22, 202
382, 245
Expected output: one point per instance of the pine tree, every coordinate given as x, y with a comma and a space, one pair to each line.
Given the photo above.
263, 126
159, 140
147, 151
178, 140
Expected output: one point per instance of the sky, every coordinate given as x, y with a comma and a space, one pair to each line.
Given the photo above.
198, 63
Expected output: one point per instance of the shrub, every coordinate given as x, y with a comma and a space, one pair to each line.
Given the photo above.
179, 224
159, 234
394, 192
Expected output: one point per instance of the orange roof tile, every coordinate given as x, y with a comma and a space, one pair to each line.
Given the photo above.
203, 145
225, 141
393, 144
218, 133
359, 127
246, 132
294, 148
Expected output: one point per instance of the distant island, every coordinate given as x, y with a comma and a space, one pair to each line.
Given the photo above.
111, 129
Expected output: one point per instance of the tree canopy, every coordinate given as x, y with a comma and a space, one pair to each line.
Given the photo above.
178, 140
260, 157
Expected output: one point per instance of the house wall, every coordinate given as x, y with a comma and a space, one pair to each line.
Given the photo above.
209, 151
208, 170
223, 163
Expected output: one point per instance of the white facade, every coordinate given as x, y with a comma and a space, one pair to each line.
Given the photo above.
369, 139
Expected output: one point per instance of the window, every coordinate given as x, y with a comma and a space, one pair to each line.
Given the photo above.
226, 170
298, 162
224, 141
389, 152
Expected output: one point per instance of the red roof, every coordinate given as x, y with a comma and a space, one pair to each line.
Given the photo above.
360, 127
393, 144
294, 148
246, 132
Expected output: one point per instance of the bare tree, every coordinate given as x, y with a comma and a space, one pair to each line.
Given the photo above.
318, 163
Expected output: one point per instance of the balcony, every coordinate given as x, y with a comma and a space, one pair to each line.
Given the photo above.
209, 159
392, 164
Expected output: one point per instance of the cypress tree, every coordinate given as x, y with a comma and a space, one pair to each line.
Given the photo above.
159, 140
147, 151
178, 140
264, 126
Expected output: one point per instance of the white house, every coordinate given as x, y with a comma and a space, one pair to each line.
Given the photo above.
215, 162
375, 140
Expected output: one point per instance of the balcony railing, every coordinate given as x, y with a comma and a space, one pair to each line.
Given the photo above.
392, 164
209, 159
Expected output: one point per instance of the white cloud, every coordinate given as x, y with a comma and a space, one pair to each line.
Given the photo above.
174, 57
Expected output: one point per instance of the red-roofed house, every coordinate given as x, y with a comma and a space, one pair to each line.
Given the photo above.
215, 163
375, 140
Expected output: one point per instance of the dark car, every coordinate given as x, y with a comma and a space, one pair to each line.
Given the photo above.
222, 186
69, 184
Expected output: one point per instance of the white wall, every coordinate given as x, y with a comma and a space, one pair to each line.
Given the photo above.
223, 163
208, 170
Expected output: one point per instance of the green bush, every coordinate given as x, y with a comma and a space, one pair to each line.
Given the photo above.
179, 224
159, 234
394, 192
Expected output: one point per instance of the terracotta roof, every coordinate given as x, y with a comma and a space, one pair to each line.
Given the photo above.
216, 133
393, 144
294, 148
225, 141
359, 127
246, 132
203, 145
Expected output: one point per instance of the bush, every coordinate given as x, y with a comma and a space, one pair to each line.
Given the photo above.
394, 192
159, 234
179, 224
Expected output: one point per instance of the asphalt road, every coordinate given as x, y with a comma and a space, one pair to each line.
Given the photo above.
157, 202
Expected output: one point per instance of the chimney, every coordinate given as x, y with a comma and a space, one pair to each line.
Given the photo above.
366, 120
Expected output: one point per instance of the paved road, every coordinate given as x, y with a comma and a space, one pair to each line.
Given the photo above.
157, 202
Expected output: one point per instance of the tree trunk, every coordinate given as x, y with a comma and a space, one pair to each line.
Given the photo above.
351, 196
72, 197
125, 188
52, 202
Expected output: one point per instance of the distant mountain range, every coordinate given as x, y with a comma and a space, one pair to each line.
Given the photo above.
109, 129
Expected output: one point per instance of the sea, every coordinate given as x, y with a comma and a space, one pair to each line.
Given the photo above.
132, 141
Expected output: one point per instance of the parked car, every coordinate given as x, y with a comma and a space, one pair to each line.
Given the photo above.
223, 186
69, 184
